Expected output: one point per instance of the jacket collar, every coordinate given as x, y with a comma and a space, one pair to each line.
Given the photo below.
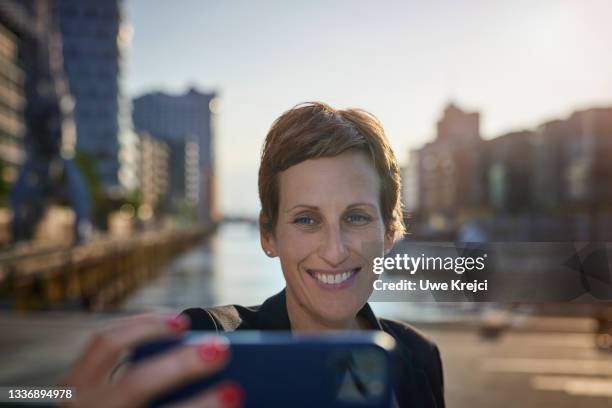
273, 314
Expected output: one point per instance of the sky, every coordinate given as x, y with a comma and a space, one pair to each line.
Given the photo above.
518, 63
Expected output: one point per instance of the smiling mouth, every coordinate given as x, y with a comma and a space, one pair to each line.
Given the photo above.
333, 277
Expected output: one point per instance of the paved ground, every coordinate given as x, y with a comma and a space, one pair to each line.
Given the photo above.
532, 368
541, 362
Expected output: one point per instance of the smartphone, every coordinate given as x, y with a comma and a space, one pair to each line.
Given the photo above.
281, 369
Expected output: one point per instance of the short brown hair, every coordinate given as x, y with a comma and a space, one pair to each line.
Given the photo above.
312, 130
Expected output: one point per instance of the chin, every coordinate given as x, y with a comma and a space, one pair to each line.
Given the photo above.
339, 308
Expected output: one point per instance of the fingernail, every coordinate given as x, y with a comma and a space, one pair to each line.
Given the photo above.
230, 395
212, 351
178, 323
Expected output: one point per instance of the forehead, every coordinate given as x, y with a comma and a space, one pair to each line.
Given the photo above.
339, 180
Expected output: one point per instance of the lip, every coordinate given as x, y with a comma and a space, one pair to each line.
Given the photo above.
334, 286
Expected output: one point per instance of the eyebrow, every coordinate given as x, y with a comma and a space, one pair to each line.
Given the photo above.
315, 208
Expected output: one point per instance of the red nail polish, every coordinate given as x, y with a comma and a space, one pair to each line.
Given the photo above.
178, 323
213, 351
230, 395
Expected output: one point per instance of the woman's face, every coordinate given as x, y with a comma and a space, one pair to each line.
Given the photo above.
329, 228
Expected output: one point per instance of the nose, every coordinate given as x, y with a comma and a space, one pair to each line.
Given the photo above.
333, 249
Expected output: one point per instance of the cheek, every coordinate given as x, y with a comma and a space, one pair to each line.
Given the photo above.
368, 241
369, 244
294, 246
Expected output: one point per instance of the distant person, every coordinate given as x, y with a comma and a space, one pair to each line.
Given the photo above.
329, 186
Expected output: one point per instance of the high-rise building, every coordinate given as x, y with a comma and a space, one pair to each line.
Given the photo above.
552, 183
447, 172
410, 182
15, 27
153, 170
573, 169
95, 38
509, 172
184, 122
549, 157
457, 126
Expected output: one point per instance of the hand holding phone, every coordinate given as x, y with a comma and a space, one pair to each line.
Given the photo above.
280, 369
98, 383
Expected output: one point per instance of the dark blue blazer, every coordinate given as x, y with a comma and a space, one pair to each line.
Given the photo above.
420, 382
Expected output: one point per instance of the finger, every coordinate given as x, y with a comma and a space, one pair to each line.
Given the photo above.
163, 372
226, 395
106, 347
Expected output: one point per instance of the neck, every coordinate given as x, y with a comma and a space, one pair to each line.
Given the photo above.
302, 320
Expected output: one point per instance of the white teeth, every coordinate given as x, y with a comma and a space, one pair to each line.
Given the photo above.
335, 278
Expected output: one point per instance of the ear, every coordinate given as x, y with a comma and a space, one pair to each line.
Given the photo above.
266, 237
388, 242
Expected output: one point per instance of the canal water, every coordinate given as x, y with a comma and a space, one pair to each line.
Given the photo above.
228, 268
231, 268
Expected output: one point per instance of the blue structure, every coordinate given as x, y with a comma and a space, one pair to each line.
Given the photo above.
94, 41
48, 171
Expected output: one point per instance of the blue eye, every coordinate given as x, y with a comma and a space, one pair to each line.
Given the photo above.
358, 218
304, 220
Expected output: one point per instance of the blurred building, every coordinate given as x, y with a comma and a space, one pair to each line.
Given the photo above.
553, 183
36, 114
571, 160
184, 123
509, 172
153, 170
446, 174
95, 39
410, 182
16, 29
549, 160
572, 171
457, 126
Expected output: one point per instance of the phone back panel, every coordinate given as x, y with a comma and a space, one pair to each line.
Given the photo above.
278, 369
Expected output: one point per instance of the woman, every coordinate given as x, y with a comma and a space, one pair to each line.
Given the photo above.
329, 186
